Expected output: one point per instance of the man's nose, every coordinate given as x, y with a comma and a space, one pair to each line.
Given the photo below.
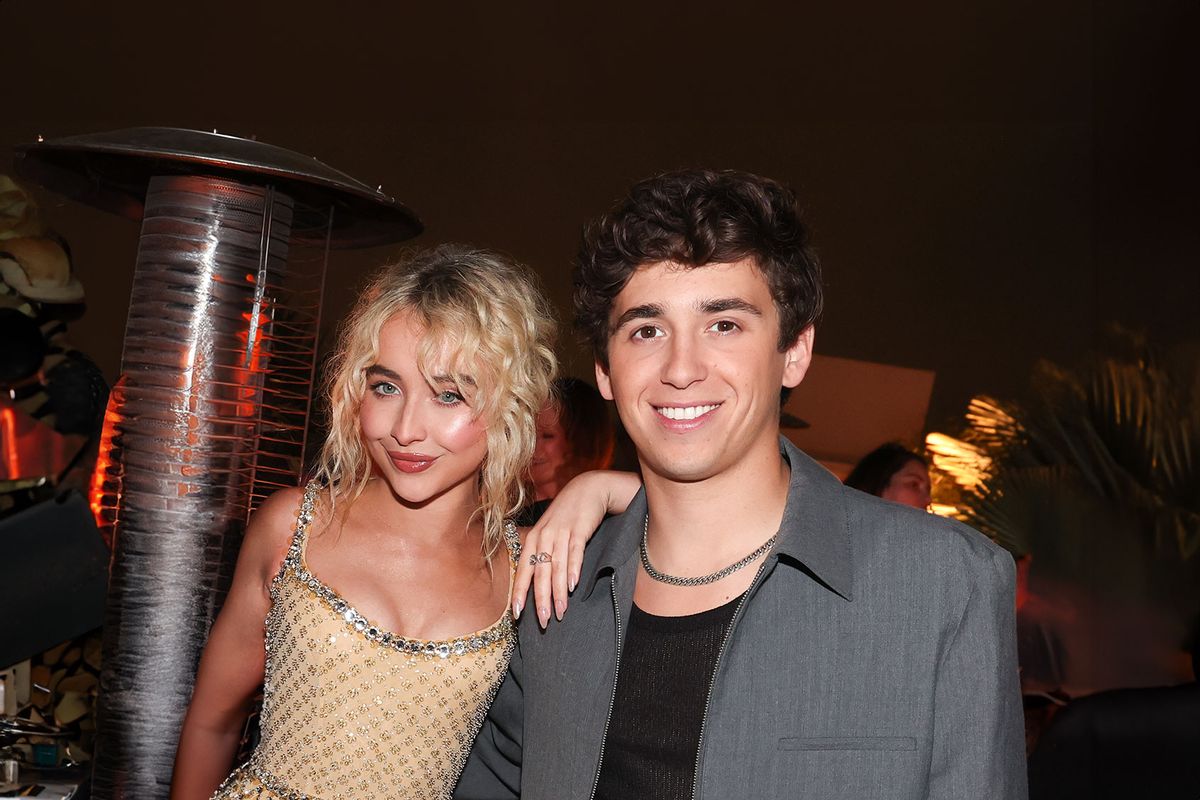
684, 365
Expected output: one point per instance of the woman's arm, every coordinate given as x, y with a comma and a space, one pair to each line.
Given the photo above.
231, 668
563, 530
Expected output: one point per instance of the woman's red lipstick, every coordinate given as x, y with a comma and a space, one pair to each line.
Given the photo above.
412, 462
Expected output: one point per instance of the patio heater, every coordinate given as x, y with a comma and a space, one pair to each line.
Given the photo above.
210, 412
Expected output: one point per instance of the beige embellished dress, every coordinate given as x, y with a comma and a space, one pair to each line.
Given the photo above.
353, 711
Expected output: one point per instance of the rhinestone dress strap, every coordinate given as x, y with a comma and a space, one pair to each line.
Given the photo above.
512, 540
304, 515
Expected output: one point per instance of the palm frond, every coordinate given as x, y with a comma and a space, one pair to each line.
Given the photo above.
1096, 473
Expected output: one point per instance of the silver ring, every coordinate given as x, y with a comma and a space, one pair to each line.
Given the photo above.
539, 558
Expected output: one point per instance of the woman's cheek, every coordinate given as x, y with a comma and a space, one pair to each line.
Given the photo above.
372, 419
463, 431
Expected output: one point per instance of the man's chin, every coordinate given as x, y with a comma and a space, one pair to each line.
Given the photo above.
681, 472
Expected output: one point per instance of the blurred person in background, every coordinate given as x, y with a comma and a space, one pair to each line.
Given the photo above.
574, 434
895, 473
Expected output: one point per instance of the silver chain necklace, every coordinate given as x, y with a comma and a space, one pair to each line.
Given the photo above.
700, 580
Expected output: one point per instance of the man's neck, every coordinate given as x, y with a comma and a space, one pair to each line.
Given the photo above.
701, 527
715, 521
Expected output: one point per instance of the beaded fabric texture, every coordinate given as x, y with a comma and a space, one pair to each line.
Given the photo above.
353, 711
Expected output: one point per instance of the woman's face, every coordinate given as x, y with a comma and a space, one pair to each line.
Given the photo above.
549, 454
426, 441
909, 485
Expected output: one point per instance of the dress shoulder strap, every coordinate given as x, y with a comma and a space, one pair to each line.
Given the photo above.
512, 540
295, 554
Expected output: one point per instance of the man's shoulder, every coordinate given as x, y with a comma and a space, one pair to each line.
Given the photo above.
900, 532
614, 540
871, 514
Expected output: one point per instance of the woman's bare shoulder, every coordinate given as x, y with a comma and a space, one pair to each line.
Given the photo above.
270, 530
277, 515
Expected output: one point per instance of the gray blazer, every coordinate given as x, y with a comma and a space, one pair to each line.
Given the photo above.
873, 657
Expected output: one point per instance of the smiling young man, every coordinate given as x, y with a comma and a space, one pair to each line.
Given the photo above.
748, 627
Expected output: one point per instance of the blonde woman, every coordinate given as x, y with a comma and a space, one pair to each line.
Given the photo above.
385, 584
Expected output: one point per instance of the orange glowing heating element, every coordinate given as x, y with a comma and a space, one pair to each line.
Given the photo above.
8, 436
253, 362
102, 474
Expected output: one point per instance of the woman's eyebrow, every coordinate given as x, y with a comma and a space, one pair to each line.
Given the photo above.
450, 380
380, 371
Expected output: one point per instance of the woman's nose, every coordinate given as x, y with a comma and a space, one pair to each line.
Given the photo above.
410, 423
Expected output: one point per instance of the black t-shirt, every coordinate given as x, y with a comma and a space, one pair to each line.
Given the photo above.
666, 668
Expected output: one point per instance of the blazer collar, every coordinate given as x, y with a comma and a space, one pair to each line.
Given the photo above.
619, 538
814, 534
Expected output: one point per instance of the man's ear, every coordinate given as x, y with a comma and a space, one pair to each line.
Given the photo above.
797, 358
603, 383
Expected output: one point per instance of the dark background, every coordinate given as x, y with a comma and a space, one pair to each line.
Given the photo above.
988, 183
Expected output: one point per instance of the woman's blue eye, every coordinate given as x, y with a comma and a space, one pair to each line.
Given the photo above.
384, 388
449, 398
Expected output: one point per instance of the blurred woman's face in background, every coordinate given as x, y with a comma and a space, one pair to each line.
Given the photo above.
549, 455
910, 486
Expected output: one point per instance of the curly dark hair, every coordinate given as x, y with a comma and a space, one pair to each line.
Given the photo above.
697, 217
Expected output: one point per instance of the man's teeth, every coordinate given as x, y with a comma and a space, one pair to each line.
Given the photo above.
689, 412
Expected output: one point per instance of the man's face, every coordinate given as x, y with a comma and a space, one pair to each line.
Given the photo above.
695, 369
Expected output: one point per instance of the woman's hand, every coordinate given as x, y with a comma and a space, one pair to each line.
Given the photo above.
563, 530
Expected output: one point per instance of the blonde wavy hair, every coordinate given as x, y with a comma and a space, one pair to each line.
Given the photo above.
486, 313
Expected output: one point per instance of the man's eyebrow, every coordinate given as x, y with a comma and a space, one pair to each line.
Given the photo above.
644, 311
723, 304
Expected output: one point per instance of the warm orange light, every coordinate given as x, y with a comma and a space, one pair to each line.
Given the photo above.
8, 434
253, 363
967, 464
101, 475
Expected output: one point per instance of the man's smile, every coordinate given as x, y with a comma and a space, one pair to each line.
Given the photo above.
686, 412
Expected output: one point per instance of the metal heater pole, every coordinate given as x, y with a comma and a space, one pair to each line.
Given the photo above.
213, 331
186, 414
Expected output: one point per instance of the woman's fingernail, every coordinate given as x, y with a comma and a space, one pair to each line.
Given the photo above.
573, 583
516, 609
544, 616
559, 607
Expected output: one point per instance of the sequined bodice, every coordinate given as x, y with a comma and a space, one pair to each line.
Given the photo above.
353, 711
